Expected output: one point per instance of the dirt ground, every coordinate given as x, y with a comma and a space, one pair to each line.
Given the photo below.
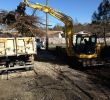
53, 79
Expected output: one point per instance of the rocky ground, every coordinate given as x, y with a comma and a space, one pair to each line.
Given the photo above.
53, 79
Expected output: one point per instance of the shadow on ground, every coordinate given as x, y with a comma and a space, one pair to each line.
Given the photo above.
49, 56
98, 75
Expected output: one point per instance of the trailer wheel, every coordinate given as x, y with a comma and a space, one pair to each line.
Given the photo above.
21, 63
11, 64
27, 68
1, 72
31, 68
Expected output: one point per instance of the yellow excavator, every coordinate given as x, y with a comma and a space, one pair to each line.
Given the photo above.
85, 49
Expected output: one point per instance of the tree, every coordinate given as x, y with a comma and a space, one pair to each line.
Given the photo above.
26, 25
103, 13
58, 27
95, 17
102, 17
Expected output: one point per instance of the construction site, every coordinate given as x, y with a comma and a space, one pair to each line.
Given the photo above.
67, 61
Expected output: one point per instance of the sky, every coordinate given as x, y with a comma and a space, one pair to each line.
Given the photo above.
80, 10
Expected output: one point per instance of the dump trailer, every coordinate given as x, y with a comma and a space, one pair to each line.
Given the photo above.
17, 53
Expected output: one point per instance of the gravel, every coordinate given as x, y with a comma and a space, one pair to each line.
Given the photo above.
53, 79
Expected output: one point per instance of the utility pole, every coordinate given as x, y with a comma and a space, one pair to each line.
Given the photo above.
46, 27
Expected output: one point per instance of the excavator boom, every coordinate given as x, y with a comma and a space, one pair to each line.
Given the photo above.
62, 17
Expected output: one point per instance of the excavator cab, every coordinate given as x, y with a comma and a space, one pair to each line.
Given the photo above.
85, 44
85, 48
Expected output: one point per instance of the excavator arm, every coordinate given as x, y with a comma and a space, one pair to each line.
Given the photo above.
62, 17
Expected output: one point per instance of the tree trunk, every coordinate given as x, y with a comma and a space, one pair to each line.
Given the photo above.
104, 32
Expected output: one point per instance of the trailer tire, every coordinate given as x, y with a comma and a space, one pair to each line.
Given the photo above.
11, 64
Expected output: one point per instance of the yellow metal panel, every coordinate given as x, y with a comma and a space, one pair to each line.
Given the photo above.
3, 39
82, 56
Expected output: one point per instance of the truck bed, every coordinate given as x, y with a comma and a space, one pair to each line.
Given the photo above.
17, 52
